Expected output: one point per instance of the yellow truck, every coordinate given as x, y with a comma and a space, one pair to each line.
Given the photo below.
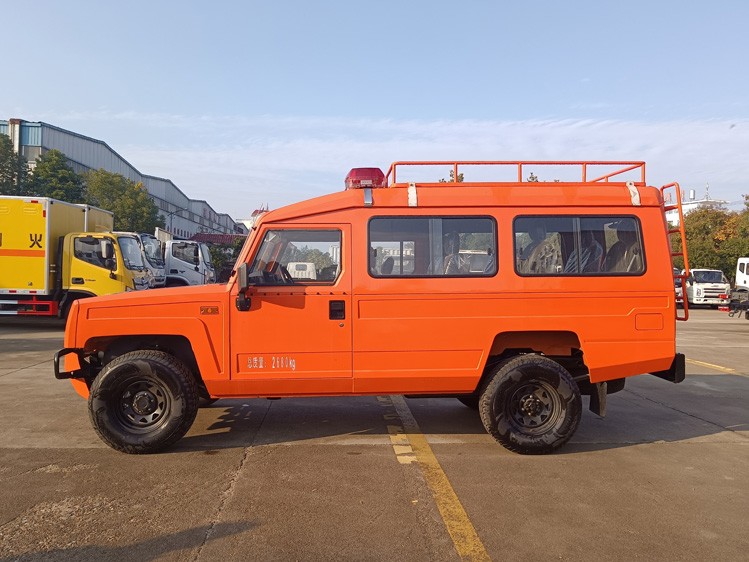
53, 253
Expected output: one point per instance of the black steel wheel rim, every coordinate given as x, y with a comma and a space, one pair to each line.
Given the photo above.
534, 407
142, 404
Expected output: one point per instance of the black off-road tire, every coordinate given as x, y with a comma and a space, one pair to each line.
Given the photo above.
143, 402
530, 405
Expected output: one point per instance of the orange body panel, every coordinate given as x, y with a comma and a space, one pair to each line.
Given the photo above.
416, 335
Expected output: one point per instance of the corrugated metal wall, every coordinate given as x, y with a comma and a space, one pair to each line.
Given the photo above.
85, 153
31, 134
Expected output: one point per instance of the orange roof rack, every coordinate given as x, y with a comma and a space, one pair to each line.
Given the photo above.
613, 169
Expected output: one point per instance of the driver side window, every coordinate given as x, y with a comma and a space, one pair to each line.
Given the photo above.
297, 257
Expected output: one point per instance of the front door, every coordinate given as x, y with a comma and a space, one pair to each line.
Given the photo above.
296, 336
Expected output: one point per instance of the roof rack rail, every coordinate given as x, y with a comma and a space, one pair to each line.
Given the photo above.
617, 168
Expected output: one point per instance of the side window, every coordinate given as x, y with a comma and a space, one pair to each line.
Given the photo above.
578, 245
93, 250
624, 252
186, 252
297, 257
432, 246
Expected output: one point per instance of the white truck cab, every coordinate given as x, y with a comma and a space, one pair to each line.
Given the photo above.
742, 274
188, 263
153, 259
707, 286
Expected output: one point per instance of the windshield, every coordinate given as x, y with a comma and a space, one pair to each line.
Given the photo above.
152, 249
206, 252
709, 277
130, 252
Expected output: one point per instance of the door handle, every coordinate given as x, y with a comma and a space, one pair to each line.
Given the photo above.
337, 310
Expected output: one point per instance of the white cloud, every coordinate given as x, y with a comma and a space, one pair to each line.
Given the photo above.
237, 163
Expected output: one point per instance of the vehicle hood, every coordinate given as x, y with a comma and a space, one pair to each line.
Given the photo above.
170, 310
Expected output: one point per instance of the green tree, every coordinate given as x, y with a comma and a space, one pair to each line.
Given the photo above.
53, 177
452, 178
716, 238
133, 209
14, 170
224, 256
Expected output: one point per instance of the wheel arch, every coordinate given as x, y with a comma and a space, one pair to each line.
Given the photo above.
563, 346
179, 346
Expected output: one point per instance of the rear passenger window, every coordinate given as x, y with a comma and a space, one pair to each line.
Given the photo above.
432, 246
578, 245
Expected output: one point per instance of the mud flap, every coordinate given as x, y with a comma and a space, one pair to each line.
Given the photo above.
598, 399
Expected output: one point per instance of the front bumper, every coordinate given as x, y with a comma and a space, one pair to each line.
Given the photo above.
79, 368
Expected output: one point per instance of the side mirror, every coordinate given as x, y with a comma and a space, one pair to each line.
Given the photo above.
243, 278
243, 303
107, 250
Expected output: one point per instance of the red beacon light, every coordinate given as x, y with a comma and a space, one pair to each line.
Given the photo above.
359, 178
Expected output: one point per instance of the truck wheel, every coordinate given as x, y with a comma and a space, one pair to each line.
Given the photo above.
531, 405
143, 401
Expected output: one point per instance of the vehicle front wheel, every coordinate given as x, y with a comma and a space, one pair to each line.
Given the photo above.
531, 405
143, 401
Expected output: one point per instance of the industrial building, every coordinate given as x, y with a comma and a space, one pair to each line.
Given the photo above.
183, 217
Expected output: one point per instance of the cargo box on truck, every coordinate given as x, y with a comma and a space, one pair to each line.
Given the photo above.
53, 252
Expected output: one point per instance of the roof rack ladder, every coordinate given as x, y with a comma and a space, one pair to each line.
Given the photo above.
678, 230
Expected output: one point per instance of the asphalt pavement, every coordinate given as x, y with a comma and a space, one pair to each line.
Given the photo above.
663, 477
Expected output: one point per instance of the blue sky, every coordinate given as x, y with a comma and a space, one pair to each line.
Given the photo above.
250, 103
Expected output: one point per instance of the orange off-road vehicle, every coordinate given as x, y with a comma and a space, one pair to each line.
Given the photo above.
514, 296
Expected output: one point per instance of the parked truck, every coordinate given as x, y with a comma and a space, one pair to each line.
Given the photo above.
53, 253
153, 259
187, 262
707, 286
739, 302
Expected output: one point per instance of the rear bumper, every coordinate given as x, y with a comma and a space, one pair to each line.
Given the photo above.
677, 372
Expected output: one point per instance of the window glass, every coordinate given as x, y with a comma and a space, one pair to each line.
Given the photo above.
578, 245
131, 254
91, 250
297, 257
186, 252
152, 250
709, 277
432, 246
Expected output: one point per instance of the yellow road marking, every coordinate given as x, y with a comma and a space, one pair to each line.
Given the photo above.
459, 526
710, 365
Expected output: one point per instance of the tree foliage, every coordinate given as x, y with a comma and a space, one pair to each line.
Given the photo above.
452, 178
225, 255
133, 209
716, 238
13, 170
53, 177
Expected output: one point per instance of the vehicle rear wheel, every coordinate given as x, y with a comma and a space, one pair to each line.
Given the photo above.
531, 405
143, 401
